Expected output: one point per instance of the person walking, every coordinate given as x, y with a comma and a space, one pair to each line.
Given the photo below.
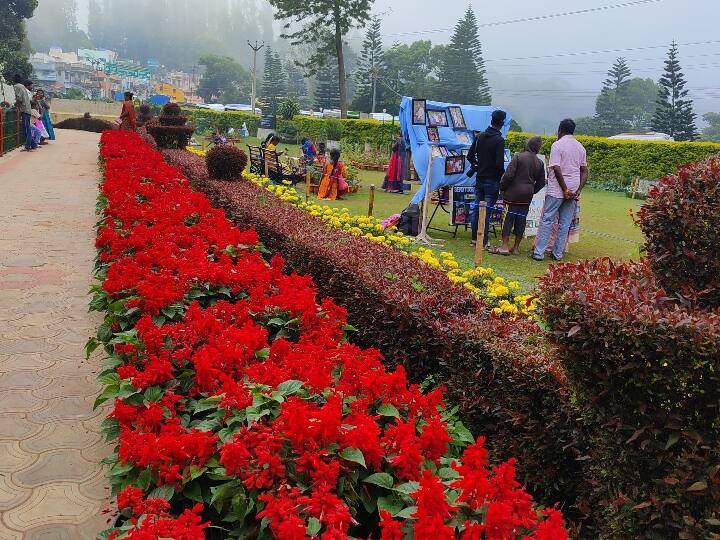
524, 177
23, 104
44, 105
487, 159
567, 175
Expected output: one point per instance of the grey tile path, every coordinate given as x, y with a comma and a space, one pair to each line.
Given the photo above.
52, 486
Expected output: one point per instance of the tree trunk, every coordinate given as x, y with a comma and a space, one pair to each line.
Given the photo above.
341, 63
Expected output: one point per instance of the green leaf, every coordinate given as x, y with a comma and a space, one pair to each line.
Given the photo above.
380, 479
386, 409
391, 503
109, 379
277, 322
354, 455
406, 513
672, 439
162, 492
120, 469
262, 354
407, 488
110, 392
193, 492
289, 387
313, 527
154, 393
446, 473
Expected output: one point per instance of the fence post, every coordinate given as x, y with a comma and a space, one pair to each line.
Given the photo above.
307, 184
371, 201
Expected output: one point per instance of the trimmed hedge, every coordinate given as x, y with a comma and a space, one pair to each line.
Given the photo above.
609, 159
645, 373
495, 369
680, 220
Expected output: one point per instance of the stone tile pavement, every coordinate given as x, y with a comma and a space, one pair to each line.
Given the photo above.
52, 486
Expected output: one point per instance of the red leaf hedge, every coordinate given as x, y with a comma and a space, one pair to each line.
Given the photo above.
645, 373
680, 220
495, 369
239, 403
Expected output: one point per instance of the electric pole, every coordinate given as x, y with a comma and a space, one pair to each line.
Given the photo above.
255, 48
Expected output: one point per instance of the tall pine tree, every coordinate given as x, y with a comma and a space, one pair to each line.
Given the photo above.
674, 114
611, 112
273, 83
326, 94
369, 71
462, 70
296, 86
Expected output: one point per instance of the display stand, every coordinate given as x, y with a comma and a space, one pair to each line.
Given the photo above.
423, 237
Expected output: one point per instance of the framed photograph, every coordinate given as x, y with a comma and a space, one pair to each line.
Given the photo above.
419, 109
443, 151
437, 118
435, 151
433, 134
458, 119
463, 138
454, 165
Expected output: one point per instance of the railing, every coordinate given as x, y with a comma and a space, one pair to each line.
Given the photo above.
11, 136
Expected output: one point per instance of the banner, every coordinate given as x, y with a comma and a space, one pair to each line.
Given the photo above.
445, 131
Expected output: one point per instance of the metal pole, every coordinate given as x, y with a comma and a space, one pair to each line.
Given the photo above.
255, 48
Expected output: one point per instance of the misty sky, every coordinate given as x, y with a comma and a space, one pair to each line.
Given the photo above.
568, 84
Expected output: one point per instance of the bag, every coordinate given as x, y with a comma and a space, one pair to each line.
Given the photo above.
343, 186
409, 223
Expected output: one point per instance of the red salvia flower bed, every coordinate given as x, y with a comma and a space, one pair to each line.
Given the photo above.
240, 410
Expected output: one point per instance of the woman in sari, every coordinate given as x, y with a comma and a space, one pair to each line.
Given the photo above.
44, 104
333, 182
128, 117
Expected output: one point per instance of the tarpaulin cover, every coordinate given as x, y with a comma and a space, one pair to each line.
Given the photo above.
477, 118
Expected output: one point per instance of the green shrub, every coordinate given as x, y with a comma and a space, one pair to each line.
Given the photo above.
612, 159
333, 129
288, 109
644, 373
680, 221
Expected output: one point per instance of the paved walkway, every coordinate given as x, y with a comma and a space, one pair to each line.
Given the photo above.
52, 486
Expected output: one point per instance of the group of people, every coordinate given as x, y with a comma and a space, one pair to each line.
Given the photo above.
34, 109
525, 176
333, 184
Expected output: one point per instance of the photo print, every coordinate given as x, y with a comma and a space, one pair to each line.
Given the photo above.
433, 134
419, 109
454, 165
463, 138
437, 118
458, 119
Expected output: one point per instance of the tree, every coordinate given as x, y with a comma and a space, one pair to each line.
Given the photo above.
610, 110
13, 50
326, 96
323, 23
408, 71
224, 80
514, 126
369, 69
587, 125
462, 70
674, 114
55, 24
712, 132
296, 87
273, 83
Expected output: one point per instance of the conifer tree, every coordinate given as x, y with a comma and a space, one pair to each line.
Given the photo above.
674, 114
370, 66
296, 86
462, 70
612, 115
326, 94
273, 83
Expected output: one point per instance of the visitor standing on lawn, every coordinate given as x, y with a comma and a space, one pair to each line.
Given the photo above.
567, 175
487, 158
23, 104
128, 117
525, 176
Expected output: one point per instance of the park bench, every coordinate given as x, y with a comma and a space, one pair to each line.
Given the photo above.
255, 154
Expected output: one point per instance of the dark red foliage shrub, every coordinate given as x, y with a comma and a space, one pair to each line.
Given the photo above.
94, 125
680, 221
171, 109
645, 373
171, 136
494, 369
225, 162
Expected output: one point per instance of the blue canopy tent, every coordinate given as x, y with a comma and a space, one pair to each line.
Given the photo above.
477, 118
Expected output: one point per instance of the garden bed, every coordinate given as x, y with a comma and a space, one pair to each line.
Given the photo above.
240, 404
495, 369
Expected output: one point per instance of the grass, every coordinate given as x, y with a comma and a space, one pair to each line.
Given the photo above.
606, 227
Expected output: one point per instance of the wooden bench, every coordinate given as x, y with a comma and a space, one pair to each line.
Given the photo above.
257, 164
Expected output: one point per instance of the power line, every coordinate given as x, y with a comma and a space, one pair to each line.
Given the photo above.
534, 18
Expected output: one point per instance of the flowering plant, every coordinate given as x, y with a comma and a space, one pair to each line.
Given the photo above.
239, 405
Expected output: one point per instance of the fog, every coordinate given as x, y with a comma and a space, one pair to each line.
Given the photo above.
541, 69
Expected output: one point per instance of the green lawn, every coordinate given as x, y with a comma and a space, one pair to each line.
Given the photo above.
606, 227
